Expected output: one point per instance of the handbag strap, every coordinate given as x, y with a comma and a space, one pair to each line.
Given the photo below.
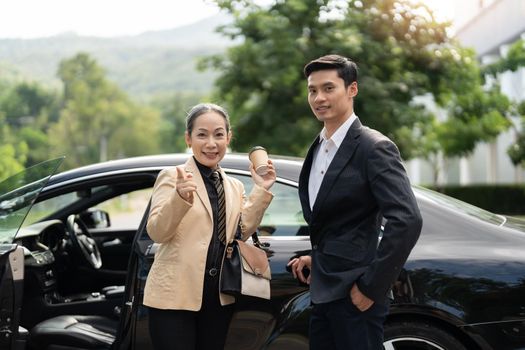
258, 243
255, 237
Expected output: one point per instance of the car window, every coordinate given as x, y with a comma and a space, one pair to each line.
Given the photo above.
52, 205
284, 216
126, 211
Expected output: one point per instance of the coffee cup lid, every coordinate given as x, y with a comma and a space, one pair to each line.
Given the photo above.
255, 148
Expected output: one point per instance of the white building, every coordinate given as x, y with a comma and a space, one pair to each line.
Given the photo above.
488, 26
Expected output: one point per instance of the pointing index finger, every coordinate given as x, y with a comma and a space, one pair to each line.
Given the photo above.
181, 174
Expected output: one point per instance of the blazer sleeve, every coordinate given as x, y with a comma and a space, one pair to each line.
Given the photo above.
253, 208
391, 189
167, 207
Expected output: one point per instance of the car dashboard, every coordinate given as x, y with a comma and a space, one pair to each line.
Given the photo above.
40, 241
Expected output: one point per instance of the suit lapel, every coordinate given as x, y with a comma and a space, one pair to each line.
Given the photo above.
304, 177
342, 157
191, 167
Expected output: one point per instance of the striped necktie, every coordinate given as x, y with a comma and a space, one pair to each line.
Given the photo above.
221, 205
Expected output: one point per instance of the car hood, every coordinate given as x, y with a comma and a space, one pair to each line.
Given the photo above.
18, 193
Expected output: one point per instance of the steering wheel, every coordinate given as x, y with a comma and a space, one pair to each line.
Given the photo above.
83, 241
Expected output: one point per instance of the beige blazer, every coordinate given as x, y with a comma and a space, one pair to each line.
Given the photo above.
184, 231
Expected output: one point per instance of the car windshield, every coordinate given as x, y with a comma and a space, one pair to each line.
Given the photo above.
460, 206
18, 193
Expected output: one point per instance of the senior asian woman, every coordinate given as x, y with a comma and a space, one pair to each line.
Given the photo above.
186, 309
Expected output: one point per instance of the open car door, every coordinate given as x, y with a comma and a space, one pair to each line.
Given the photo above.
17, 195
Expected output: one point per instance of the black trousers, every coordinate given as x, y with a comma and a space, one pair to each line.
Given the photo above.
205, 329
341, 325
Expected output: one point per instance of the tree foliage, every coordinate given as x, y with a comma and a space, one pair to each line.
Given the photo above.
13, 153
89, 121
512, 62
98, 121
11, 161
26, 101
28, 108
402, 52
173, 109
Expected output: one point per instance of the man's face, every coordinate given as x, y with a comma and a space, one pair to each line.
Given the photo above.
330, 101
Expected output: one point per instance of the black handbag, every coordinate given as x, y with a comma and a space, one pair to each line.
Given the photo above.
245, 269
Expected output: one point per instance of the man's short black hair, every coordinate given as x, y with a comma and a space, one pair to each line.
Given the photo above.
346, 68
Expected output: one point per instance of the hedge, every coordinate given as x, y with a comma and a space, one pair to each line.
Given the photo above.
500, 199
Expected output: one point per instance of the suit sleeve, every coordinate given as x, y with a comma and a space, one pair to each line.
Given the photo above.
391, 189
167, 207
253, 209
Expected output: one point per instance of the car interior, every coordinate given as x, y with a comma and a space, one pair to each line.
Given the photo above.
91, 330
76, 261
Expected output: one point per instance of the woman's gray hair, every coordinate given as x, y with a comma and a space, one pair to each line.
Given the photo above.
202, 108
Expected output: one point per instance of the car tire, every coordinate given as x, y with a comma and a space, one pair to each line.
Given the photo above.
419, 336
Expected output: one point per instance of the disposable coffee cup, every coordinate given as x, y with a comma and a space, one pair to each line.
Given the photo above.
259, 158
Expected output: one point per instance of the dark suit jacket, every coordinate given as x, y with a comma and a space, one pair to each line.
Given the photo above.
365, 182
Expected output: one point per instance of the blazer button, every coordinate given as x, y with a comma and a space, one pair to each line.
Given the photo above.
314, 247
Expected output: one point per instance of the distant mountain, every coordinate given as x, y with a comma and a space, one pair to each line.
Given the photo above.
142, 65
199, 34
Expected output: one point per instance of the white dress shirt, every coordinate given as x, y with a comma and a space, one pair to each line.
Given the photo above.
323, 156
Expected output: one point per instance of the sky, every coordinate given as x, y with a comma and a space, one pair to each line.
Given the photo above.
106, 18
443, 9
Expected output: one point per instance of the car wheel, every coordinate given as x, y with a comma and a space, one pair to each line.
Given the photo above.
419, 336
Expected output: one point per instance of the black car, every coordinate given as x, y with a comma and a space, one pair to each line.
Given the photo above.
73, 276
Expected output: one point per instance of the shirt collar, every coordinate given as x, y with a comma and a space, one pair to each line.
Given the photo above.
204, 170
339, 135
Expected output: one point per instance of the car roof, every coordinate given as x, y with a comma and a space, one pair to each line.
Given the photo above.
287, 167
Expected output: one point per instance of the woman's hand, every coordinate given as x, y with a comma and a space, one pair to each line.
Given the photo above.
185, 185
265, 181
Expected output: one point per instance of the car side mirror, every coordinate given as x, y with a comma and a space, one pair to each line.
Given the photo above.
95, 218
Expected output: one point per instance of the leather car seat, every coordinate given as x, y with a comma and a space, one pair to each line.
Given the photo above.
74, 332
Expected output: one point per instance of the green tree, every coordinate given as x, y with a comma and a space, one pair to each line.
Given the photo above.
402, 51
516, 151
10, 163
98, 121
511, 62
12, 153
26, 101
28, 107
479, 115
173, 109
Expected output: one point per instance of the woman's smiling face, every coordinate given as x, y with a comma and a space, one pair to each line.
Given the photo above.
209, 138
